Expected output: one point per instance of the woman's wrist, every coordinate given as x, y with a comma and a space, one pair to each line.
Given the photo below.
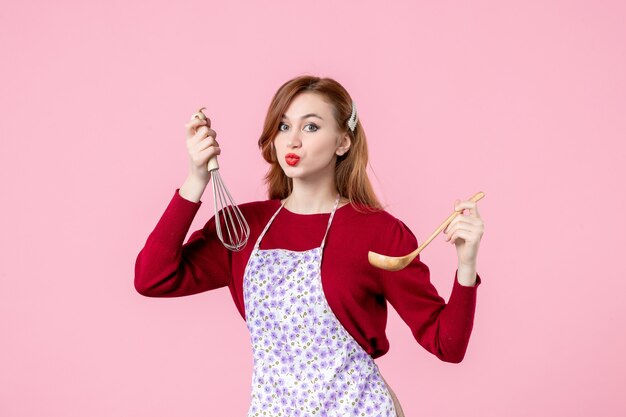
466, 274
193, 188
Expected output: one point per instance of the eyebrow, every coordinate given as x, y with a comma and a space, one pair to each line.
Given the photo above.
305, 116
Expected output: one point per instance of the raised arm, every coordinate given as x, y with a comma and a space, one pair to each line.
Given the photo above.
166, 267
442, 329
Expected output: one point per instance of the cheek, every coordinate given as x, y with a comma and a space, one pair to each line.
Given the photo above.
276, 146
279, 141
326, 146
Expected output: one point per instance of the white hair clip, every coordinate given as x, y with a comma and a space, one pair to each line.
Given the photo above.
353, 118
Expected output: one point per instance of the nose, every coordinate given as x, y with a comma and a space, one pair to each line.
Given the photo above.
294, 140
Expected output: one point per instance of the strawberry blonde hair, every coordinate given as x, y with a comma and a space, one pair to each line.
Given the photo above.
351, 177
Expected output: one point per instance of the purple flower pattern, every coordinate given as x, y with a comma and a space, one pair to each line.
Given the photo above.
305, 361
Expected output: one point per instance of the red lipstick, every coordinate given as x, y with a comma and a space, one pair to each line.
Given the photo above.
292, 159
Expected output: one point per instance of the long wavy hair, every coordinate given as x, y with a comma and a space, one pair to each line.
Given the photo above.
350, 170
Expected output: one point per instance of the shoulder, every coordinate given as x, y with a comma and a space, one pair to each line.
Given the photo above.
259, 210
379, 217
384, 231
260, 205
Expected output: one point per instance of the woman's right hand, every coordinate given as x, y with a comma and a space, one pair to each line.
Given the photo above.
202, 146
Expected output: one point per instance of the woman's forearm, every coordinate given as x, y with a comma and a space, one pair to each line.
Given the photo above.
193, 188
466, 274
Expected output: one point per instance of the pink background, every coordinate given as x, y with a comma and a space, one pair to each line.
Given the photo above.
522, 100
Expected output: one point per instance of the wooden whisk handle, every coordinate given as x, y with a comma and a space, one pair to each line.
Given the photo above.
212, 165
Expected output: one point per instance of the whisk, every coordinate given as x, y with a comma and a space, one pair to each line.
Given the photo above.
237, 229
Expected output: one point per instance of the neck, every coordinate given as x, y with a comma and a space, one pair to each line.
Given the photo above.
308, 198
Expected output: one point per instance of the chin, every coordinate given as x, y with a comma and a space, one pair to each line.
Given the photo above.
290, 171
290, 174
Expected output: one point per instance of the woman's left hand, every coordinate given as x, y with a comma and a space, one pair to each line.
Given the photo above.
465, 231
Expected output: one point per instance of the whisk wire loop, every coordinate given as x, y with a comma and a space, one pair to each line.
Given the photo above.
228, 213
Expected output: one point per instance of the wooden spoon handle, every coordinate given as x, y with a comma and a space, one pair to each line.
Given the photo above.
476, 197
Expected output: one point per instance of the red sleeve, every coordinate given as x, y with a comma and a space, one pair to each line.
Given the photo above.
166, 267
442, 329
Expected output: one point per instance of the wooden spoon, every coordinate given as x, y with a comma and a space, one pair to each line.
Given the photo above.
393, 263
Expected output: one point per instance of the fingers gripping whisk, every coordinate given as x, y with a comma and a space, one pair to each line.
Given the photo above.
231, 226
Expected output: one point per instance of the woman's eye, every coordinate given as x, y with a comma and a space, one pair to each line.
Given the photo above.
313, 126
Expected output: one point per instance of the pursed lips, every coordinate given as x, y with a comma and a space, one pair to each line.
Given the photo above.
292, 159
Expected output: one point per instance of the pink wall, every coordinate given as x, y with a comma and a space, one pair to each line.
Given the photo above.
524, 101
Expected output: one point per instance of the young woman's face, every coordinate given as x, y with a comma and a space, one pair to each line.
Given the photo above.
308, 139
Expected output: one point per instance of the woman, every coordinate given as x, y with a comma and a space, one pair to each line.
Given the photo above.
315, 308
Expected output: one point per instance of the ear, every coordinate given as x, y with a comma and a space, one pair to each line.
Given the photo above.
344, 145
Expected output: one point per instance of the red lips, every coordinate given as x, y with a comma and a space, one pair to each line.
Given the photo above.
292, 159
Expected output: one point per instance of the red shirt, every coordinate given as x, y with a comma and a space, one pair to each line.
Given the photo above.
356, 291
